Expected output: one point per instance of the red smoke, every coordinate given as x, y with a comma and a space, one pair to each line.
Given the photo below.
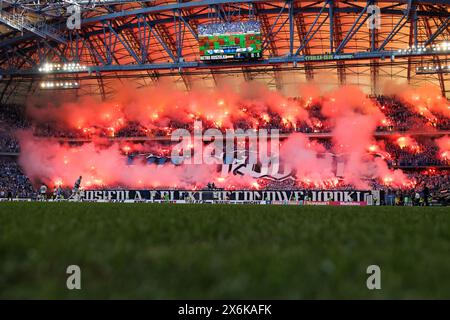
353, 116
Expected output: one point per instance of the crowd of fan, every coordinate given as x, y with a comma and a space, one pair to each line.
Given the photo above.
11, 119
8, 143
229, 28
399, 117
427, 155
429, 186
434, 180
13, 182
12, 115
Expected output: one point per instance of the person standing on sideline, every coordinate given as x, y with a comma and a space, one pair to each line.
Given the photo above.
43, 192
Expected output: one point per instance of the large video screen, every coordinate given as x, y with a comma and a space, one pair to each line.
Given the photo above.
230, 41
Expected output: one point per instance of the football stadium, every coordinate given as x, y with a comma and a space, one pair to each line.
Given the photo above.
210, 149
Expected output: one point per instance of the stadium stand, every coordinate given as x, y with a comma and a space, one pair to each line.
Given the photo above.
229, 28
401, 120
13, 182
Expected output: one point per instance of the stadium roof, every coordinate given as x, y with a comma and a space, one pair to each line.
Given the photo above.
144, 42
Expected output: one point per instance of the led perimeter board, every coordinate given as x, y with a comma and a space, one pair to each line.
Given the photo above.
230, 41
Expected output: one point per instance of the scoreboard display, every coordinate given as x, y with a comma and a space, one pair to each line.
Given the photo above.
231, 43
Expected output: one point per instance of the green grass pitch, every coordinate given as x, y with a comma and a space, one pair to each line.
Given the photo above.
167, 251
